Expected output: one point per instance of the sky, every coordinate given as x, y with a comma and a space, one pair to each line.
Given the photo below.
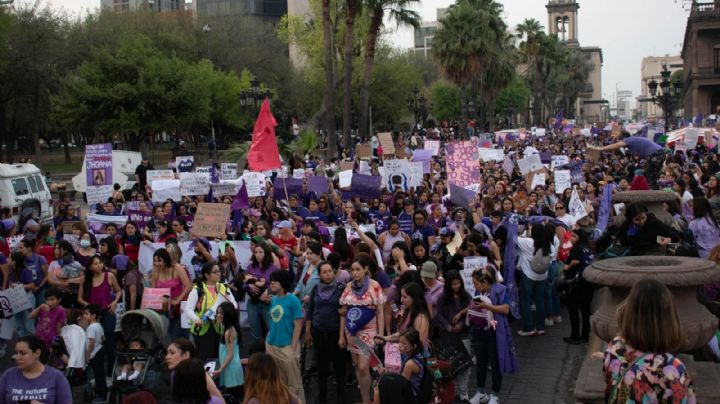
626, 30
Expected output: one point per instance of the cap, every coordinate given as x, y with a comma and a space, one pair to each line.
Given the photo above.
447, 232
284, 224
429, 270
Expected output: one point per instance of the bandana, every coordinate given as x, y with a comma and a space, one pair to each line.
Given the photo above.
360, 289
358, 317
326, 290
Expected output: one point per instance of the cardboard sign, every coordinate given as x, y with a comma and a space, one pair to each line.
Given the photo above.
576, 207
433, 146
153, 298
386, 142
563, 181
593, 154
154, 175
425, 157
540, 132
530, 164
211, 220
462, 163
397, 174
346, 165
363, 151
691, 138
228, 171
470, 265
194, 183
616, 131
401, 152
166, 189
537, 179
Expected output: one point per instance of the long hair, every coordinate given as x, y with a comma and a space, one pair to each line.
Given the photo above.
230, 319
702, 209
389, 267
647, 319
267, 259
540, 239
341, 245
19, 261
89, 274
263, 381
189, 383
419, 305
447, 296
395, 389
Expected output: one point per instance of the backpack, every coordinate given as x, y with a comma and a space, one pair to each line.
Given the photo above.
540, 263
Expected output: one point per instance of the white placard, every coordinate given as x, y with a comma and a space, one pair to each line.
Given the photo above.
486, 154
416, 173
530, 164
433, 145
618, 207
16, 298
576, 207
204, 170
558, 161
299, 174
365, 168
226, 188
345, 178
255, 183
166, 189
470, 265
540, 132
154, 175
183, 164
538, 179
563, 180
397, 174
194, 183
14, 241
691, 138
228, 171
98, 194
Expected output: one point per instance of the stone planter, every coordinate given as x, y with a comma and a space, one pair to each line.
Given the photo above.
653, 200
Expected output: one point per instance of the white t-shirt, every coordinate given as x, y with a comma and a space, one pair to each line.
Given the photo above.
95, 331
569, 220
526, 251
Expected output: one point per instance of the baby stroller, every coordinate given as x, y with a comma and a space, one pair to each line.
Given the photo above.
152, 328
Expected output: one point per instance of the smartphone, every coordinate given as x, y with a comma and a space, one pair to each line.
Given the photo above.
659, 239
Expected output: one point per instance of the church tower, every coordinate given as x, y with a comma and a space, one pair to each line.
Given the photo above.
562, 20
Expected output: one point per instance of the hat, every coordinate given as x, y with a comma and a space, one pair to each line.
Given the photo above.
429, 270
284, 224
447, 232
258, 239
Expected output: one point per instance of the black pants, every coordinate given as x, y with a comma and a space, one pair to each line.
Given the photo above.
578, 306
326, 351
97, 363
654, 167
208, 344
485, 345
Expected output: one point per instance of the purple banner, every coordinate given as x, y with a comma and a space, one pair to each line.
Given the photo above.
460, 196
365, 186
317, 184
139, 217
545, 157
424, 156
293, 185
98, 164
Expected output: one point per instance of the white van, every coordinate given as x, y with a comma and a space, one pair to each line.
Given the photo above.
23, 190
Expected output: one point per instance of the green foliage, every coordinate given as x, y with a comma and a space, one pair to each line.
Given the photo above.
517, 94
446, 102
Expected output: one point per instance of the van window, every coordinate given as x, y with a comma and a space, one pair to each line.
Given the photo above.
40, 183
20, 186
33, 185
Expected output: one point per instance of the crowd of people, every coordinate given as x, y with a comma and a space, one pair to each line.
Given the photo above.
370, 284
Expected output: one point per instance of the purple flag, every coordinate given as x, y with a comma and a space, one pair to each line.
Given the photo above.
545, 157
424, 156
460, 196
365, 186
139, 217
511, 224
596, 131
558, 119
241, 200
604, 213
293, 186
317, 184
568, 128
697, 122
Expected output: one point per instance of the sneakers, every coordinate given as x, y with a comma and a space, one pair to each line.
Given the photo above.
99, 400
527, 333
541, 332
134, 375
494, 399
549, 322
479, 398
557, 319
122, 376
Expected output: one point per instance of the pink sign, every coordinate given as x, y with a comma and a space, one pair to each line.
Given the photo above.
153, 298
463, 167
392, 357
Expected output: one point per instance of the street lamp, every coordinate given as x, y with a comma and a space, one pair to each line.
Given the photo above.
254, 96
510, 109
416, 104
669, 97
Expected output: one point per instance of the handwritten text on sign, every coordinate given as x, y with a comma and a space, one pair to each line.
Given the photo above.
153, 298
211, 220
463, 167
470, 265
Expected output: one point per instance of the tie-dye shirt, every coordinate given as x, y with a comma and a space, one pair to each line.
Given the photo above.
651, 378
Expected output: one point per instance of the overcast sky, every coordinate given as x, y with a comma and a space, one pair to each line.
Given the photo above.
626, 30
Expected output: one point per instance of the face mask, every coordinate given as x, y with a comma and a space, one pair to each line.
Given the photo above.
84, 243
50, 240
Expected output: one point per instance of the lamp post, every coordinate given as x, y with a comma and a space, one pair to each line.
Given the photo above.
416, 104
254, 96
668, 98
510, 110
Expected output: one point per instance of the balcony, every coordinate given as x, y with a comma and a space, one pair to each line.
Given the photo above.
704, 10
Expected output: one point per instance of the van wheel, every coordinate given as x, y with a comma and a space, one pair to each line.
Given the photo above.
30, 207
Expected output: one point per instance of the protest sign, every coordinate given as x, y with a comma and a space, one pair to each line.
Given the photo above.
416, 173
207, 170
317, 184
576, 171
228, 171
225, 188
255, 183
345, 178
691, 138
365, 186
346, 165
68, 225
433, 146
397, 174
425, 157
298, 173
530, 164
558, 161
537, 179
154, 175
17, 297
563, 181
166, 189
486, 155
393, 361
386, 142
470, 265
462, 163
184, 164
194, 183
284, 187
98, 171
508, 165
540, 132
576, 207
363, 151
460, 196
73, 240
211, 220
365, 168
592, 154
13, 241
139, 217
153, 298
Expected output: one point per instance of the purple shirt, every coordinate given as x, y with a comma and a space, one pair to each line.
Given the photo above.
46, 327
51, 387
258, 273
433, 294
641, 146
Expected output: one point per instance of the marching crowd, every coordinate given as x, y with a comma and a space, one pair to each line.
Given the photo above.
377, 285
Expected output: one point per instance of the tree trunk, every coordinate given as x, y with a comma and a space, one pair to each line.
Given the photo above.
371, 46
347, 96
329, 101
66, 148
36, 122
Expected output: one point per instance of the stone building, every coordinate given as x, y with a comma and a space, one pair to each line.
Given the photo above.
701, 59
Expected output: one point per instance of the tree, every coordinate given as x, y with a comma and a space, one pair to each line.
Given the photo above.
398, 11
351, 10
529, 32
329, 68
445, 100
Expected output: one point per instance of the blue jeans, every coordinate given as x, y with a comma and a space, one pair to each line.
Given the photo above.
258, 314
175, 329
552, 296
532, 292
23, 325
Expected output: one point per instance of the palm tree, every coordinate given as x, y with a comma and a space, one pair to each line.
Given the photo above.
329, 61
398, 11
529, 32
351, 10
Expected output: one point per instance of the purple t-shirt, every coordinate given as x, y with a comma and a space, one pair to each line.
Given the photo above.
25, 277
641, 146
51, 387
46, 327
35, 264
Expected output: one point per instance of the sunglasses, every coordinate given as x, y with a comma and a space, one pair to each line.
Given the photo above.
559, 208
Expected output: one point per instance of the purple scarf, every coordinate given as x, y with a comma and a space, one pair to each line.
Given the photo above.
326, 290
361, 289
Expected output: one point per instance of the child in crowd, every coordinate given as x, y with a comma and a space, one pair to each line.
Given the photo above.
94, 353
50, 317
136, 364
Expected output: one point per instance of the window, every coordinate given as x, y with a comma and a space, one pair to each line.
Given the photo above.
20, 187
33, 185
716, 59
40, 183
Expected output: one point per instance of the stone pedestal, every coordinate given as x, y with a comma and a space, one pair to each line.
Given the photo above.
682, 275
653, 200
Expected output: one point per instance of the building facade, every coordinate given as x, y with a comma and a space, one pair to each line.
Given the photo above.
563, 22
650, 67
701, 59
423, 36
271, 9
132, 5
